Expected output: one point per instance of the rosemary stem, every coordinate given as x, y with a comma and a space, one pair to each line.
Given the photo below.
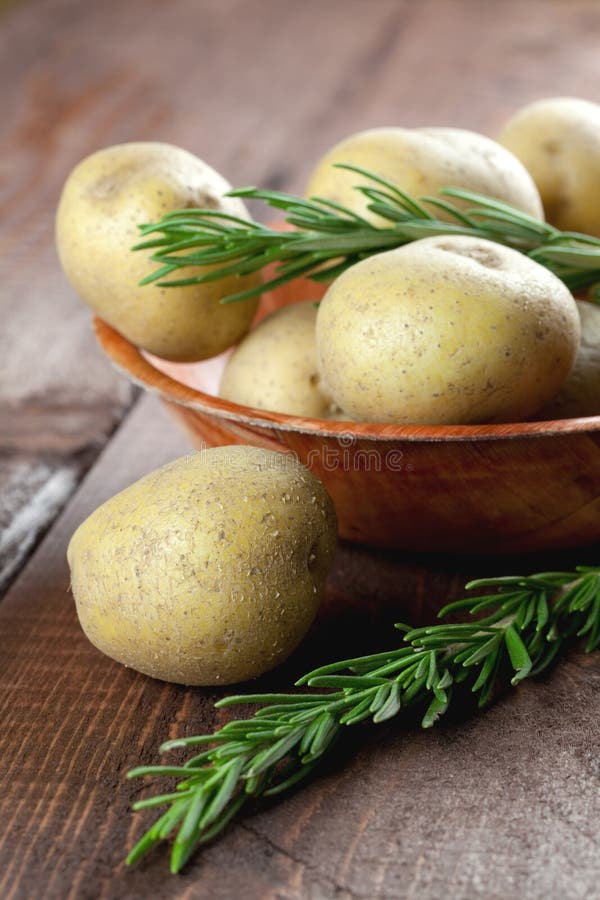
290, 733
325, 233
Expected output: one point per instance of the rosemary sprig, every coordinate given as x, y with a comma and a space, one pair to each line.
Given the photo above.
526, 622
328, 238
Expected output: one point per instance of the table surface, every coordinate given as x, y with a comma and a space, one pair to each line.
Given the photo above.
500, 805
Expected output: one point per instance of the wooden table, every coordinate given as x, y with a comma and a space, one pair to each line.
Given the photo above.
502, 805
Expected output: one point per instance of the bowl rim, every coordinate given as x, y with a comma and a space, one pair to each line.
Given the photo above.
130, 360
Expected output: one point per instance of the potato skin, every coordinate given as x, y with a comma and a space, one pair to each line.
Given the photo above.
446, 330
275, 365
421, 161
105, 198
558, 140
580, 393
208, 570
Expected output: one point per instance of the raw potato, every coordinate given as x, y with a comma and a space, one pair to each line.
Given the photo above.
275, 366
446, 330
103, 201
209, 570
558, 140
421, 161
580, 394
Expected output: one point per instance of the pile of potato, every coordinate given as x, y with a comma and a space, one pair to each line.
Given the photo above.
450, 330
211, 569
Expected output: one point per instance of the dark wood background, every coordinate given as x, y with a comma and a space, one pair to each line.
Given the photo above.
504, 805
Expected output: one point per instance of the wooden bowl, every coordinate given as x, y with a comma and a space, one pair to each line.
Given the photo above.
476, 488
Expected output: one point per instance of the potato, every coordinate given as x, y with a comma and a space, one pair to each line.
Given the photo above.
580, 393
207, 571
275, 366
103, 201
421, 161
558, 140
446, 330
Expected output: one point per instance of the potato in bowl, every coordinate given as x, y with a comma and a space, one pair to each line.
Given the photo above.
447, 330
104, 200
275, 365
558, 140
422, 161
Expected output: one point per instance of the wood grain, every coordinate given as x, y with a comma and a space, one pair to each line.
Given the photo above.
499, 806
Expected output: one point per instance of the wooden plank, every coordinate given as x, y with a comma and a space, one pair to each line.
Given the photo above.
33, 493
498, 805
503, 805
44, 452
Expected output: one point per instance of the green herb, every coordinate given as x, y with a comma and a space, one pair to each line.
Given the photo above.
526, 623
328, 238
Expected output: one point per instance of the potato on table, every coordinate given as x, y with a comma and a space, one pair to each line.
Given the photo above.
209, 570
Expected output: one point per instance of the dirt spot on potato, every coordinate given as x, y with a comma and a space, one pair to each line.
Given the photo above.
551, 148
202, 199
103, 187
483, 255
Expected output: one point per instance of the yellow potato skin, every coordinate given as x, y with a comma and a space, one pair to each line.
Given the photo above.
275, 365
446, 330
580, 393
103, 201
558, 140
207, 571
421, 161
